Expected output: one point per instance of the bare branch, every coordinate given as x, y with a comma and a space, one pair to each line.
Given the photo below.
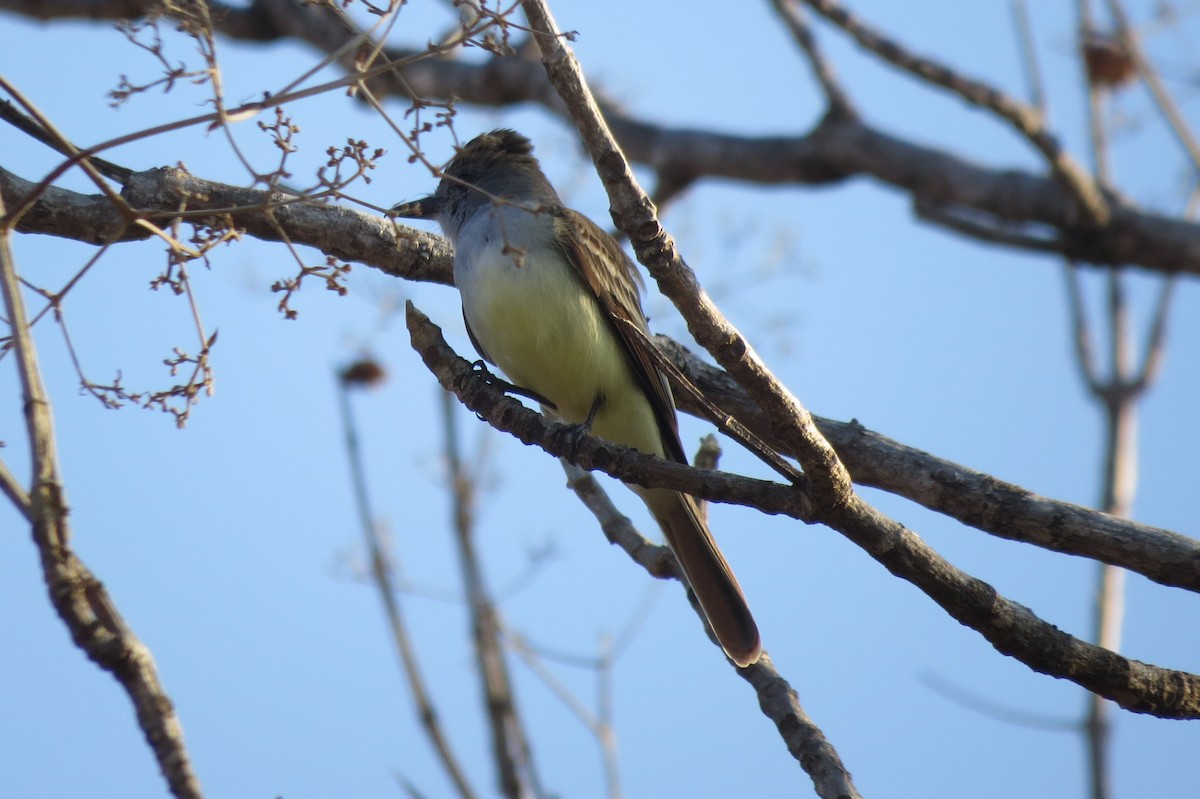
81, 600
31, 127
805, 740
1025, 120
1085, 355
1155, 352
793, 17
511, 751
1162, 98
598, 723
836, 150
777, 699
160, 193
1029, 59
15, 492
655, 248
972, 224
992, 505
976, 499
381, 574
1011, 628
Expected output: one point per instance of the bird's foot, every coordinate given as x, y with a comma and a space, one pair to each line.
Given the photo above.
499, 382
579, 432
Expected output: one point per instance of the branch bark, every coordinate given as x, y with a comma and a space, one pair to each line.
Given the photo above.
1011, 628
1002, 202
972, 497
82, 602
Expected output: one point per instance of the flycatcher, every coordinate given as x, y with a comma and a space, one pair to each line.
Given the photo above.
546, 295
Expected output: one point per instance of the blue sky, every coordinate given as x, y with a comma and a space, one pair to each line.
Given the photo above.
232, 548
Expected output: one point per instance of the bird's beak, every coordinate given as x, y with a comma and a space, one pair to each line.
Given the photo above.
425, 208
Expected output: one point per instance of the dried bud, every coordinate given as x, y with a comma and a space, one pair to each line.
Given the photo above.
1109, 63
363, 372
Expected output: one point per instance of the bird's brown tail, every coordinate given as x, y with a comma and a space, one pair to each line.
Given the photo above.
709, 574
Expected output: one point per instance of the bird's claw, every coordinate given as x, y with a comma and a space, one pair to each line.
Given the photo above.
493, 379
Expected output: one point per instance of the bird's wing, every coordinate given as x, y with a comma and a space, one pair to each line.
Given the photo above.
589, 250
474, 341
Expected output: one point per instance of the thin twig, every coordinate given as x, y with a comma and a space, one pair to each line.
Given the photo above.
381, 575
1027, 121
793, 17
1156, 350
510, 745
15, 492
1029, 58
1096, 96
1158, 90
1085, 356
31, 127
985, 705
598, 722
240, 113
982, 227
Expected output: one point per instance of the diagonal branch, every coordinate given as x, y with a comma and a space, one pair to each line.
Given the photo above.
1011, 628
80, 598
635, 216
1026, 120
777, 699
1158, 90
836, 150
382, 575
974, 498
510, 745
793, 17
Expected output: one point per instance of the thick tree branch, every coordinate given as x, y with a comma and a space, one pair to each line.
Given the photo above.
972, 497
1011, 628
635, 216
159, 193
776, 698
836, 150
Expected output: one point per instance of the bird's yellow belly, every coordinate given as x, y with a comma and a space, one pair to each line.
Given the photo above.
544, 330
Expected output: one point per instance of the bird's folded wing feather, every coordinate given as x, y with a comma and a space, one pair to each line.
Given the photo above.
589, 250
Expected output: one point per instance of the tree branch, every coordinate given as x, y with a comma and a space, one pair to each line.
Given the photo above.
82, 602
836, 150
1011, 628
793, 17
1025, 120
511, 752
974, 498
635, 216
382, 575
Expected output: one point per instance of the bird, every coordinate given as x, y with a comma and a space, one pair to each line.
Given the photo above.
553, 301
